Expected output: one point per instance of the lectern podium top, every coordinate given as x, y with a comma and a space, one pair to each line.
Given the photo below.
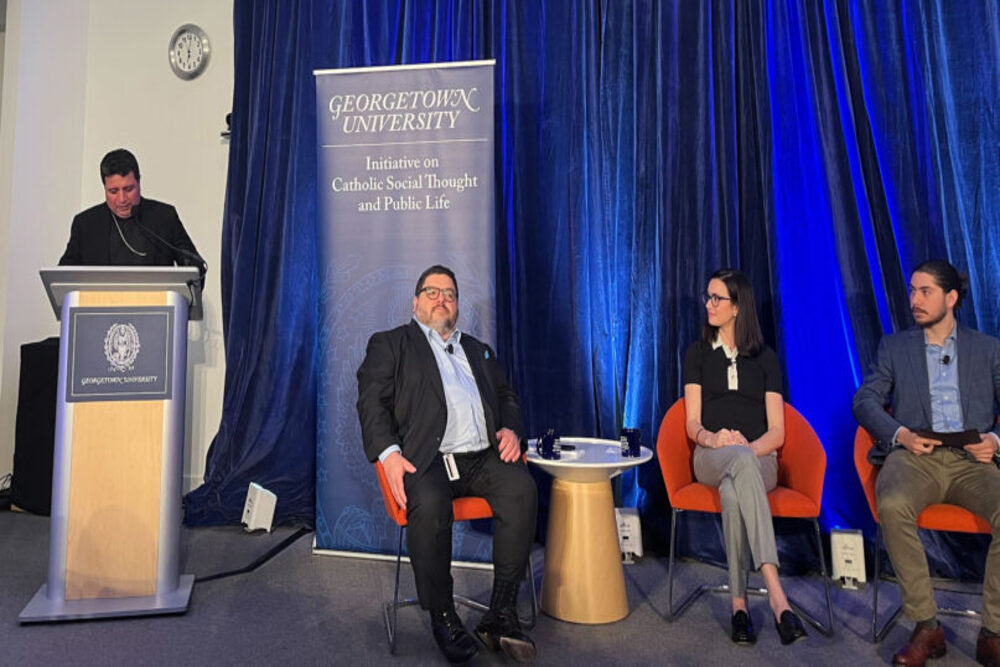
185, 280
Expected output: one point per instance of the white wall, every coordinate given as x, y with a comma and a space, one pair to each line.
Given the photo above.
3, 37
82, 77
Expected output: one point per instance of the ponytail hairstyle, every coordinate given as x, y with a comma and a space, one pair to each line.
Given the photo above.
947, 278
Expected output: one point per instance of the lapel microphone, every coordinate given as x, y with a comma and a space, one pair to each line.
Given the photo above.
946, 359
451, 349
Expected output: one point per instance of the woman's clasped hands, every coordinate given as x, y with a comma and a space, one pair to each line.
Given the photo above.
728, 438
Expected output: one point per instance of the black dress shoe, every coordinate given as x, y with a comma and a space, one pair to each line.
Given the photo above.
743, 632
790, 628
500, 628
451, 636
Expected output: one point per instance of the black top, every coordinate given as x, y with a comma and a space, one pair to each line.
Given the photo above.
744, 409
95, 238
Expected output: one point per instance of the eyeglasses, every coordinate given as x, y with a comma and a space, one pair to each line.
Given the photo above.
434, 292
714, 298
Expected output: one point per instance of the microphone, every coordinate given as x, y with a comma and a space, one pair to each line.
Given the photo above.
946, 359
193, 258
450, 348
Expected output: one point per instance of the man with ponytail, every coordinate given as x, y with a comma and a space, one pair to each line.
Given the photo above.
937, 444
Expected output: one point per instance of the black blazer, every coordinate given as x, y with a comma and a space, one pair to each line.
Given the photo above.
94, 241
401, 397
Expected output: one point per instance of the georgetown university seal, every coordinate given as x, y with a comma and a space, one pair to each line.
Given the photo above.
121, 347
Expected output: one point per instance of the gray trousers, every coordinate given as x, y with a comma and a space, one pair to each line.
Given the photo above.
743, 480
906, 485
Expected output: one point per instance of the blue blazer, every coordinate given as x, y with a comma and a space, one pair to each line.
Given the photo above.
899, 381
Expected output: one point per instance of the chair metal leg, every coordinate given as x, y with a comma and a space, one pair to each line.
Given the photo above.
391, 608
827, 630
878, 634
674, 612
531, 620
469, 602
528, 622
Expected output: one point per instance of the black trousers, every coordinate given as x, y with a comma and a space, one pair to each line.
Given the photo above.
511, 492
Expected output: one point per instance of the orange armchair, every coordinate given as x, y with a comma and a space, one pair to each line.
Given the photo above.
468, 508
941, 516
798, 495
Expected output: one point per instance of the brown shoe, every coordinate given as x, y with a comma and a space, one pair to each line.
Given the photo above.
924, 643
988, 650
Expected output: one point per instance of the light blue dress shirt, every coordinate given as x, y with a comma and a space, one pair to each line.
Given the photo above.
946, 400
465, 428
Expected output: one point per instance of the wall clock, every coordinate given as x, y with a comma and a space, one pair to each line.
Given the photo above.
189, 51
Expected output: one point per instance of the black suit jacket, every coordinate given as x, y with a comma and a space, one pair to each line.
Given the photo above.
401, 397
94, 240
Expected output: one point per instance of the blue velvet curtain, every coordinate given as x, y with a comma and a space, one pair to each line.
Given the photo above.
824, 148
267, 432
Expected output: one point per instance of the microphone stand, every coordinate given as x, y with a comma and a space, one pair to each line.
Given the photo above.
192, 258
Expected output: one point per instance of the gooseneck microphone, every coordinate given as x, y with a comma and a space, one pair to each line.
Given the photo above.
193, 258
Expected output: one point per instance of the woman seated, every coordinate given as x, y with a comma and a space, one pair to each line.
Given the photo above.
736, 415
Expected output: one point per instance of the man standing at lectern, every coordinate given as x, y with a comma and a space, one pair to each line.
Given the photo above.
126, 229
939, 444
436, 409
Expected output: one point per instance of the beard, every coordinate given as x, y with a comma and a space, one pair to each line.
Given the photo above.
443, 323
932, 319
440, 319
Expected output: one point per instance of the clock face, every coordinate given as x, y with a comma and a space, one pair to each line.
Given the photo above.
189, 51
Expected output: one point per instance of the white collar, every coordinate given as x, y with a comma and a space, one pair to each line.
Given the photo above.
730, 352
455, 337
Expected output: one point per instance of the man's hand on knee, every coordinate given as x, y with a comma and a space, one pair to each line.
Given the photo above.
396, 465
509, 445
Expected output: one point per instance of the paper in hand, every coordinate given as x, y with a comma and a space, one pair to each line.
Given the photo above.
956, 440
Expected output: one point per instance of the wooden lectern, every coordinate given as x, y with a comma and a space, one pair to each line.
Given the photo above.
116, 482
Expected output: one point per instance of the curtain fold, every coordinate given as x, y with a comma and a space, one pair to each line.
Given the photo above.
824, 148
267, 433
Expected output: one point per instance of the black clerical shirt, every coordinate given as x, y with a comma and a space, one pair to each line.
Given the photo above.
98, 238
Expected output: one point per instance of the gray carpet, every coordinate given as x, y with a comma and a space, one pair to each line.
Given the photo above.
304, 609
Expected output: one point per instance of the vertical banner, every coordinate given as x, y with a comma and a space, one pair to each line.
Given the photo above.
406, 181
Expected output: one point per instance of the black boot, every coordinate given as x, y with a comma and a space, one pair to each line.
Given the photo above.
451, 636
500, 627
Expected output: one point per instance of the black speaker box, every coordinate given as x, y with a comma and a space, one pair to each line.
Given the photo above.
34, 436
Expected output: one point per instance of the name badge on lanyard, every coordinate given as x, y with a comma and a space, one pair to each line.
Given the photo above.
450, 467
